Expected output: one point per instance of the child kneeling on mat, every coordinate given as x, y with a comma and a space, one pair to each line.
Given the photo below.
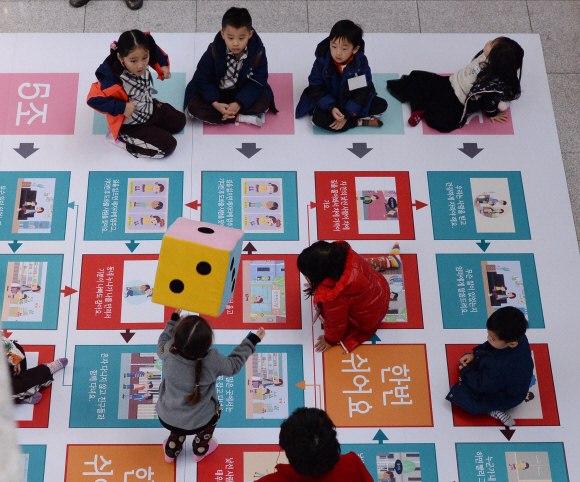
138, 123
350, 295
230, 84
496, 376
308, 437
340, 93
188, 403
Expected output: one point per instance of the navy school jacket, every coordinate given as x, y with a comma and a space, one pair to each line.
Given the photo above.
328, 89
495, 379
252, 82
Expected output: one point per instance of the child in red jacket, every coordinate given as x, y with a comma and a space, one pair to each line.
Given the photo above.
350, 296
308, 437
138, 123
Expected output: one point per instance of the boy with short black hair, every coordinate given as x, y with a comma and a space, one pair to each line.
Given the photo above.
231, 81
497, 375
341, 94
308, 437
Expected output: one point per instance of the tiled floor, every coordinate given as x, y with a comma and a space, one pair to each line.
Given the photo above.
557, 22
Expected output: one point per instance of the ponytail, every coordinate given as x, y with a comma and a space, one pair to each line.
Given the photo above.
192, 339
193, 399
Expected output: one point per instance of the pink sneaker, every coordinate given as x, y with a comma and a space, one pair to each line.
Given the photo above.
115, 142
168, 459
213, 444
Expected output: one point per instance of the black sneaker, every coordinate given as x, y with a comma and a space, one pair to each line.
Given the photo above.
134, 4
78, 3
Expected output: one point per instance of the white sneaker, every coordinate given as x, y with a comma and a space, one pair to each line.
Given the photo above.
257, 120
115, 142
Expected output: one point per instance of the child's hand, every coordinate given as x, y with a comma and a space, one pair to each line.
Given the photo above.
337, 114
338, 124
178, 311
166, 73
501, 118
220, 107
261, 333
322, 345
16, 370
129, 108
233, 108
466, 359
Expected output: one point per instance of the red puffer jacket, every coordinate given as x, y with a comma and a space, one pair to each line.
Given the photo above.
353, 306
348, 469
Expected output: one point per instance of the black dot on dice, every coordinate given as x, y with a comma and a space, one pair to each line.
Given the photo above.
176, 286
203, 268
234, 275
232, 264
205, 230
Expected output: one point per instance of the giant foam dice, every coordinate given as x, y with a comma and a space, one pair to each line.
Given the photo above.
197, 266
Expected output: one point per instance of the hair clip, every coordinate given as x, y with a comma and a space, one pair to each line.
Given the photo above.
114, 45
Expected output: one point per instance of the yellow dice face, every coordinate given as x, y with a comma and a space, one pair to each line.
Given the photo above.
191, 276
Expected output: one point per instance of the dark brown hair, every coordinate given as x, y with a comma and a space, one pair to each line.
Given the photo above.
192, 339
320, 261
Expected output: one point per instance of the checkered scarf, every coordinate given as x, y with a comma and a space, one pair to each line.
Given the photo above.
234, 66
138, 90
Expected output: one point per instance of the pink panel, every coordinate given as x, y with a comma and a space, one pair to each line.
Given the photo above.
221, 237
38, 103
479, 125
281, 123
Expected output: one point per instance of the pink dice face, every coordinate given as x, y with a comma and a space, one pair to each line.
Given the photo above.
42, 104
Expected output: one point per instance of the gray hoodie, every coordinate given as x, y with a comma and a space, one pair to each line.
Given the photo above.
179, 380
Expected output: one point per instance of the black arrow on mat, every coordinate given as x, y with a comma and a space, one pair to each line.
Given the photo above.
508, 433
360, 149
248, 149
470, 149
127, 335
249, 248
26, 149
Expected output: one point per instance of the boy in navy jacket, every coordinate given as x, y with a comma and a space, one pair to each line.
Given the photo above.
341, 94
231, 80
497, 375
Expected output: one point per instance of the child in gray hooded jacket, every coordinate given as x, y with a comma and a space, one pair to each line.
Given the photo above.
188, 403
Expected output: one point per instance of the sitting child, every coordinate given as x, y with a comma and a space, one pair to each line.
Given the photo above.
488, 83
340, 93
497, 375
231, 81
309, 439
138, 123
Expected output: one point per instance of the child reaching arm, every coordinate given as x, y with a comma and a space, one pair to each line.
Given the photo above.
188, 403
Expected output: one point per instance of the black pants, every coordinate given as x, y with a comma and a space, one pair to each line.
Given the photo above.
203, 436
208, 113
28, 382
432, 93
324, 119
154, 138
